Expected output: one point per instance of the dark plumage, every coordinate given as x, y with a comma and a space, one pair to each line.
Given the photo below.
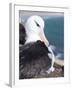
22, 34
32, 51
33, 57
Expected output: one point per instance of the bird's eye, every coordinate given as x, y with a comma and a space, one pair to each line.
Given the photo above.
37, 24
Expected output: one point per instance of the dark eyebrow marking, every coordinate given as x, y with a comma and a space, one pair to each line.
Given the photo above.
37, 24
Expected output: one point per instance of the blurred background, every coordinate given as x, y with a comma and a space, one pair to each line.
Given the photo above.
54, 29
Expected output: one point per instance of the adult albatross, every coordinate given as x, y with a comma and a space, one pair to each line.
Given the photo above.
34, 54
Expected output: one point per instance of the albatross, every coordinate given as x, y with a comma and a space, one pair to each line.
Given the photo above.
34, 41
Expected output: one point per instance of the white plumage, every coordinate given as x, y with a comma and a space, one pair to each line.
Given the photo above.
32, 30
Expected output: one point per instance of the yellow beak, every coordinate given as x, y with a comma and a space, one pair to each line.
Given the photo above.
43, 38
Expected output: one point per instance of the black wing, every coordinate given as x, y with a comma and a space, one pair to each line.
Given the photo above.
33, 58
22, 34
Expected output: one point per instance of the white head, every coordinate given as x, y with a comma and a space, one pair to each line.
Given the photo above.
35, 29
34, 24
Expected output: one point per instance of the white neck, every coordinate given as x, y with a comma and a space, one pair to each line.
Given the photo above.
32, 37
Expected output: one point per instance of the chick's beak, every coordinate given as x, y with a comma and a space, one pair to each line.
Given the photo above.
43, 38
